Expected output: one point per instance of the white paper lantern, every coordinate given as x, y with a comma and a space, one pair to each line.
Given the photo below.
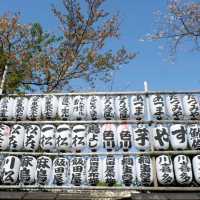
125, 137
28, 168
109, 137
178, 136
196, 168
141, 137
183, 169
60, 170
78, 171
6, 108
157, 106
160, 137
65, 107
108, 107
32, 137
164, 170
110, 170
47, 140
5, 133
94, 108
20, 108
137, 107
191, 106
63, 137
174, 106
2, 158
44, 170
49, 106
144, 170
34, 108
193, 132
11, 170
79, 108
94, 170
127, 170
78, 137
122, 107
16, 139
94, 137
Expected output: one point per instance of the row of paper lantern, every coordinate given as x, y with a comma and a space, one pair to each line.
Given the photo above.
95, 107
94, 170
95, 137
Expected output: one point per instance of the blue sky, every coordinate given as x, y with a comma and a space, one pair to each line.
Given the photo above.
136, 21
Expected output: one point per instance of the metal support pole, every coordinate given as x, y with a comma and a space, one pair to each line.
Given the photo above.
108, 93
155, 182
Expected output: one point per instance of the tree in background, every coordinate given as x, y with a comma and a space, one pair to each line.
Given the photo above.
21, 49
180, 26
82, 53
45, 62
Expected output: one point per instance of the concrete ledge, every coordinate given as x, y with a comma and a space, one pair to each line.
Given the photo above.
95, 195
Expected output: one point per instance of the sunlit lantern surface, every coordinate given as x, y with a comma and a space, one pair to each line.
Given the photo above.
174, 106
32, 137
196, 168
178, 136
164, 170
16, 139
6, 108
60, 170
125, 136
144, 170
191, 106
108, 107
20, 108
94, 108
49, 107
157, 106
47, 140
141, 137
44, 170
65, 107
122, 107
94, 170
28, 168
4, 136
110, 170
183, 169
11, 170
127, 172
193, 132
137, 105
79, 108
160, 135
63, 137
78, 171
94, 137
78, 137
109, 138
34, 109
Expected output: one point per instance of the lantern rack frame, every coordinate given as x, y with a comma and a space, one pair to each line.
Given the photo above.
149, 122
127, 93
151, 152
93, 188
138, 153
